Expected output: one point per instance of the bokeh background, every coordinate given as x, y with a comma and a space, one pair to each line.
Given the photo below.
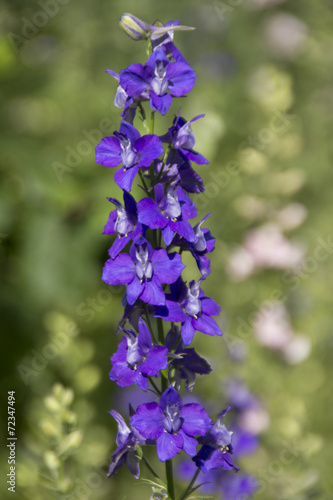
265, 83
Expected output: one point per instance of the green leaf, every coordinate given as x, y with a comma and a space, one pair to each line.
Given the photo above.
158, 483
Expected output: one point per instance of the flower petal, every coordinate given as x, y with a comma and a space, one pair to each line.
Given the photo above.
134, 79
189, 210
108, 152
109, 226
167, 267
134, 290
170, 397
168, 445
120, 270
187, 331
150, 214
168, 235
160, 103
123, 429
206, 324
172, 312
148, 420
196, 157
210, 307
144, 336
118, 244
190, 444
196, 420
184, 229
131, 132
153, 292
149, 147
125, 177
181, 78
155, 361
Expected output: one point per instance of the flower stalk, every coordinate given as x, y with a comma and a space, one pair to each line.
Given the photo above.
152, 234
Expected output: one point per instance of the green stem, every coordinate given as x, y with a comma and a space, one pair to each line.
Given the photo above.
149, 323
163, 163
143, 116
151, 131
169, 476
143, 181
145, 461
190, 486
160, 328
154, 385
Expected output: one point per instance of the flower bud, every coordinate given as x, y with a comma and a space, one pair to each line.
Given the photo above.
51, 460
134, 27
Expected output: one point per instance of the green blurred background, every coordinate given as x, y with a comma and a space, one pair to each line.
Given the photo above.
265, 83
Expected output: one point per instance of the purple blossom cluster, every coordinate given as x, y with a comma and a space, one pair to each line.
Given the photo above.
150, 236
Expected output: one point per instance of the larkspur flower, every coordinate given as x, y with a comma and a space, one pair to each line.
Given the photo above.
178, 170
171, 424
130, 149
128, 442
164, 39
202, 244
217, 448
170, 212
190, 306
186, 363
137, 358
182, 139
122, 100
163, 78
143, 271
124, 221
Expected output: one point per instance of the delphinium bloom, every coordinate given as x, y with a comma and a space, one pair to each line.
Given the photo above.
137, 358
173, 425
143, 271
220, 482
163, 78
169, 211
190, 306
130, 149
128, 442
186, 363
180, 136
217, 448
202, 244
124, 221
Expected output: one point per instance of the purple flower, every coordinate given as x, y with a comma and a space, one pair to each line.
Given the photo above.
181, 136
129, 148
123, 221
164, 39
122, 100
217, 448
243, 442
186, 363
169, 212
143, 271
189, 305
137, 358
171, 424
203, 243
163, 78
239, 396
238, 486
179, 170
128, 442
